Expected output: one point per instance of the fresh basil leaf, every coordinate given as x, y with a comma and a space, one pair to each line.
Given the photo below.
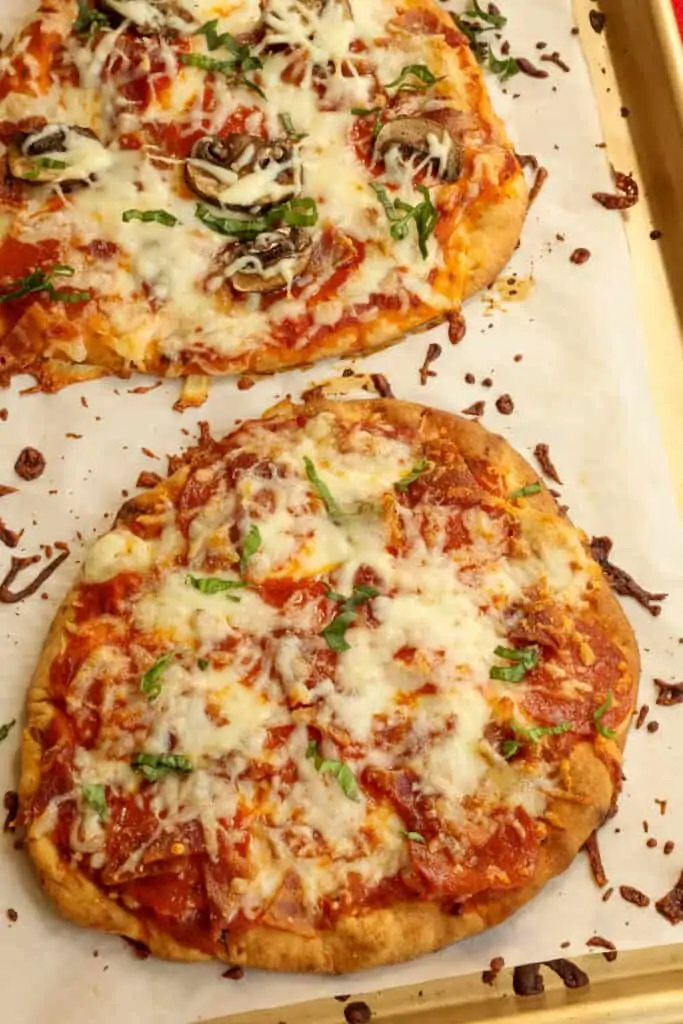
94, 796
525, 492
89, 20
46, 162
335, 632
252, 542
41, 281
524, 658
420, 467
299, 212
153, 766
415, 837
421, 72
158, 216
203, 664
214, 585
342, 772
149, 682
509, 748
400, 215
322, 490
242, 59
493, 18
539, 731
604, 730
6, 729
504, 67
288, 125
369, 111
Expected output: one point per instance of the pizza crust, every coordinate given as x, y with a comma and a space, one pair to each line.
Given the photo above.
407, 929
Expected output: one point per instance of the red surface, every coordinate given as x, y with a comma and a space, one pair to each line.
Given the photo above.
678, 7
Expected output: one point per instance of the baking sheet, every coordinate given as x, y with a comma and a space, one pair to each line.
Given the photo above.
579, 387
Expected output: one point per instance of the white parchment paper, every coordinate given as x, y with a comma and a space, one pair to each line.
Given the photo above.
581, 387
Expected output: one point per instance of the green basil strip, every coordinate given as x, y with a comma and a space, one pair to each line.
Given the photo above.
509, 748
341, 771
288, 125
153, 766
400, 215
214, 585
598, 714
252, 542
322, 490
158, 216
524, 658
335, 632
539, 731
94, 796
47, 163
493, 18
415, 837
525, 492
41, 281
89, 20
420, 467
368, 111
149, 682
6, 729
203, 664
235, 68
504, 68
421, 72
300, 212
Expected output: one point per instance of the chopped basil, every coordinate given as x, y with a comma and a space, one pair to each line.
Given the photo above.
421, 72
158, 216
335, 632
252, 542
420, 467
153, 766
45, 162
485, 21
214, 585
525, 492
149, 682
242, 59
322, 490
300, 212
524, 658
288, 125
598, 714
89, 20
203, 664
94, 796
341, 771
400, 215
41, 281
533, 735
415, 837
368, 112
6, 729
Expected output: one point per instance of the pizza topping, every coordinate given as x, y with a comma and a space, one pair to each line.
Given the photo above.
525, 492
322, 490
401, 214
670, 906
534, 735
414, 837
341, 771
269, 262
95, 797
57, 154
524, 659
6, 728
41, 281
150, 216
634, 896
295, 213
89, 20
149, 682
335, 632
252, 543
244, 172
152, 16
415, 78
154, 766
600, 712
418, 142
215, 585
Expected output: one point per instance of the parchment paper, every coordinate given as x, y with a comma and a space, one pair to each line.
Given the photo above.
581, 387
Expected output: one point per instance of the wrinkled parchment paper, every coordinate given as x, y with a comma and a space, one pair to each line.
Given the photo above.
580, 387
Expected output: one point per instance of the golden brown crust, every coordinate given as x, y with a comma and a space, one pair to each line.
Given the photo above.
406, 929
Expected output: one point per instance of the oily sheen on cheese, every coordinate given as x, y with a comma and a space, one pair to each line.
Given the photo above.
164, 295
323, 668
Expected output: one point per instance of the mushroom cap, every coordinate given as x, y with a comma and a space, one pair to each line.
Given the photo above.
57, 153
244, 172
270, 261
425, 137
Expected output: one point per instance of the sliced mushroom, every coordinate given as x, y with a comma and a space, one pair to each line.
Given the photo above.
57, 153
152, 16
244, 172
408, 138
270, 262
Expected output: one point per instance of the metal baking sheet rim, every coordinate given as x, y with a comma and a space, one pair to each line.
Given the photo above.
641, 985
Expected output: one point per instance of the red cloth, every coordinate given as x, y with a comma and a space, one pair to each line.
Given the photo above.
678, 7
